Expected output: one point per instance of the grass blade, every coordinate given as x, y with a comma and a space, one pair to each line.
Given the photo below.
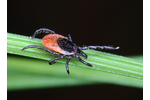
109, 68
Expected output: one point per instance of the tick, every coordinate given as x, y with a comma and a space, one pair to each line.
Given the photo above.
61, 45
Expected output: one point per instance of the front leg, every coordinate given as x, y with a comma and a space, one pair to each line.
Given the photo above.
99, 47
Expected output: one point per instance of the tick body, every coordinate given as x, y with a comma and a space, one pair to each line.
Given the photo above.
61, 45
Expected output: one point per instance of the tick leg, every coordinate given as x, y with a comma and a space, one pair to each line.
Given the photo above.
67, 68
99, 47
52, 61
83, 61
69, 37
34, 46
43, 30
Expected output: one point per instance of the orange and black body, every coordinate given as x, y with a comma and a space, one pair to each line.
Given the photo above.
60, 45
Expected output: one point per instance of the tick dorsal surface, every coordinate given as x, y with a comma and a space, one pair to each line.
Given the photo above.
67, 45
56, 42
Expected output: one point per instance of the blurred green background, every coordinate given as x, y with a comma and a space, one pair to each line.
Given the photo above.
117, 23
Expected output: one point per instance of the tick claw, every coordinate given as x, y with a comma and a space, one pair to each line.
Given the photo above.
51, 63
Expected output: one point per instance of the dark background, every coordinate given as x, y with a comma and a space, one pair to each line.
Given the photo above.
90, 22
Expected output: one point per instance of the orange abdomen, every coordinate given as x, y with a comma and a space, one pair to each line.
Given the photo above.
50, 41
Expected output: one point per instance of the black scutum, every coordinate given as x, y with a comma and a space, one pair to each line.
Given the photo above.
66, 45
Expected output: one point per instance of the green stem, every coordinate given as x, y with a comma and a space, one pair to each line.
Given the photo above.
109, 68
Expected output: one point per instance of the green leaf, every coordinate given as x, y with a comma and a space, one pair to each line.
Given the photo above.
137, 57
26, 73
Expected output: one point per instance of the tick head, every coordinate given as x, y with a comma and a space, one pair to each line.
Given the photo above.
81, 53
